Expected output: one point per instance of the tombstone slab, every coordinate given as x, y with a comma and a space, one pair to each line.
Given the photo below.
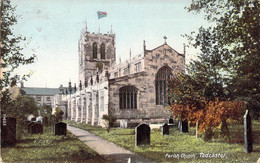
36, 128
60, 128
165, 129
183, 126
171, 121
8, 131
142, 135
248, 137
29, 126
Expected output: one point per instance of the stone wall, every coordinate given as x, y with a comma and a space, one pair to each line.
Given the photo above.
87, 64
144, 81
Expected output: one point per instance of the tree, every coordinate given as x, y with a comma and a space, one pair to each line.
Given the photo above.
235, 32
58, 113
227, 69
19, 108
211, 115
46, 110
11, 57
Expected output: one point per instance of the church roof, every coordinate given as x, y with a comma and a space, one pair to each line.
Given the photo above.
166, 45
40, 91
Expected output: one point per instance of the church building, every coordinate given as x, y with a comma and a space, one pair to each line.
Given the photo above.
134, 91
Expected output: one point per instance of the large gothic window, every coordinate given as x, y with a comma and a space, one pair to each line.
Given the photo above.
128, 97
94, 50
161, 85
103, 51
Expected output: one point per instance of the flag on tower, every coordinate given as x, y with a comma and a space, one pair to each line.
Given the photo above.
101, 14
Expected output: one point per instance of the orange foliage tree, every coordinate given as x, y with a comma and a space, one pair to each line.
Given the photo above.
213, 114
219, 112
190, 102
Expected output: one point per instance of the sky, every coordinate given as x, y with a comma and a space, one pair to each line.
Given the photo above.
53, 27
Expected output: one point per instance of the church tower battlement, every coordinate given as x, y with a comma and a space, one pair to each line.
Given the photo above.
96, 53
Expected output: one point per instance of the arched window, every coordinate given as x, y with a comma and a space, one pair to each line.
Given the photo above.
128, 97
94, 50
161, 85
103, 51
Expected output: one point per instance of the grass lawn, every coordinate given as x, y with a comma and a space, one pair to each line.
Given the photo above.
184, 147
49, 148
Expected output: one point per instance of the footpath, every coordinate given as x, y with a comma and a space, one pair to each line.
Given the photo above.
106, 149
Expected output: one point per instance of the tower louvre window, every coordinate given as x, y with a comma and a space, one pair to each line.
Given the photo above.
94, 50
103, 51
128, 97
161, 85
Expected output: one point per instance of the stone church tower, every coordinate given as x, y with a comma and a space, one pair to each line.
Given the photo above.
97, 52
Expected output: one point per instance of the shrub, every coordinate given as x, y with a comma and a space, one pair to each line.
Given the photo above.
110, 119
59, 113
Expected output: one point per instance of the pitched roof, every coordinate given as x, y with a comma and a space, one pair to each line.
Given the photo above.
40, 91
166, 45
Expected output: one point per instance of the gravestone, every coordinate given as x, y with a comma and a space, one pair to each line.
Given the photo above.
36, 128
8, 131
123, 123
29, 117
142, 135
183, 126
165, 129
29, 126
39, 119
33, 119
248, 138
60, 128
171, 121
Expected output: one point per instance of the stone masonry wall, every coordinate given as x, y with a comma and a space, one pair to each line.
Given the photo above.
145, 83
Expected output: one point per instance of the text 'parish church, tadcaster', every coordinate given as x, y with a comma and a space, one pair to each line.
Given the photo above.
134, 91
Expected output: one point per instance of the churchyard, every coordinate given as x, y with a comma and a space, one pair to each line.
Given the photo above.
184, 146
45, 143
48, 140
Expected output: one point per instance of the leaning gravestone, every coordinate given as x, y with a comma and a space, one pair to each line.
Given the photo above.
142, 135
60, 128
248, 148
8, 131
36, 128
165, 129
